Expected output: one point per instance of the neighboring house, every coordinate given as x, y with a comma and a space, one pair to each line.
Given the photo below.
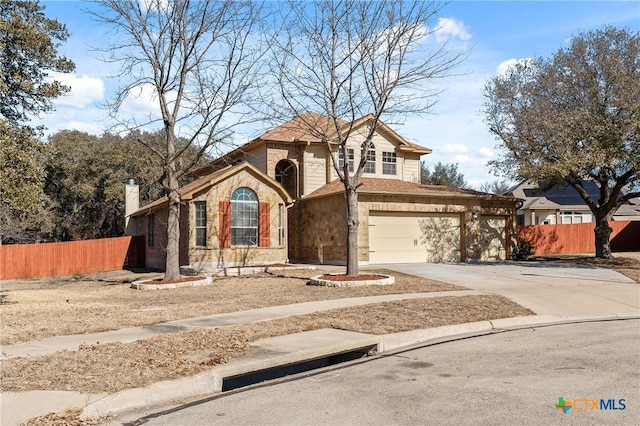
563, 205
401, 220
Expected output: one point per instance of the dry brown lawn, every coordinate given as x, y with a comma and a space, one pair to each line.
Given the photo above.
116, 366
34, 309
627, 264
71, 417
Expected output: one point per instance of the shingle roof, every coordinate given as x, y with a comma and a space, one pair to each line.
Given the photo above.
201, 183
397, 187
300, 129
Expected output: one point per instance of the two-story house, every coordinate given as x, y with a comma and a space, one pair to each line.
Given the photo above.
278, 198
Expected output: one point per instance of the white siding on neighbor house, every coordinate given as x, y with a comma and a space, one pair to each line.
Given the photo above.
548, 217
315, 168
407, 169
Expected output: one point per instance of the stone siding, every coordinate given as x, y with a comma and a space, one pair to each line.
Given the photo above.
213, 256
322, 231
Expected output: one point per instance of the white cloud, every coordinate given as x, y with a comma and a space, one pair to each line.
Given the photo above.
84, 89
504, 66
485, 152
448, 28
91, 128
454, 148
141, 101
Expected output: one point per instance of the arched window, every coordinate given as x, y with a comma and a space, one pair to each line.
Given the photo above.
244, 217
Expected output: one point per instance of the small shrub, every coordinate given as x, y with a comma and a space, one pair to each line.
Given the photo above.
521, 250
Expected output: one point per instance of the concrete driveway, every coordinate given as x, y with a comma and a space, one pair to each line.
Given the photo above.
547, 288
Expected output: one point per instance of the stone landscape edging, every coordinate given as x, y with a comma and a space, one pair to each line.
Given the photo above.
318, 280
148, 284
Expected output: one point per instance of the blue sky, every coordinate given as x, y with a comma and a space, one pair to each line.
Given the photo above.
496, 32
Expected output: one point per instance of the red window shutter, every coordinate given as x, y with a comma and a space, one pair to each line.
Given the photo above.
264, 225
225, 224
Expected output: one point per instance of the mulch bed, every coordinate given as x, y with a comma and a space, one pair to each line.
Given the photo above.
181, 280
370, 277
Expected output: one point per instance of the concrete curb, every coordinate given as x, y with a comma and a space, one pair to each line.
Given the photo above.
316, 344
204, 383
409, 339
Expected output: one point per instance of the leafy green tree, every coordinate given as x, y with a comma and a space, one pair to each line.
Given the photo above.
443, 174
86, 175
23, 216
29, 44
28, 51
572, 117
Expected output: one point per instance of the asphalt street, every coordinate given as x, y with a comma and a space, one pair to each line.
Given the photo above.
514, 377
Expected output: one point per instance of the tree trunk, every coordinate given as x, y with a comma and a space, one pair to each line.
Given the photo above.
352, 230
172, 265
603, 233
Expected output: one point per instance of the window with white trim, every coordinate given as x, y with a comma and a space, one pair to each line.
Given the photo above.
573, 217
350, 158
370, 165
201, 223
389, 163
244, 217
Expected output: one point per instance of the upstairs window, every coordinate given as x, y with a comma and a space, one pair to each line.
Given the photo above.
388, 163
244, 217
350, 159
201, 223
370, 165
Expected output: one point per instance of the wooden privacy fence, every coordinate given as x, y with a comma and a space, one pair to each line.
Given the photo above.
578, 238
70, 258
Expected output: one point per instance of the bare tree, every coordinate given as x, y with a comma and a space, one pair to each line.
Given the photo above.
356, 62
199, 58
499, 187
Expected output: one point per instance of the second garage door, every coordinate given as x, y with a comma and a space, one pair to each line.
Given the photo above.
411, 238
494, 238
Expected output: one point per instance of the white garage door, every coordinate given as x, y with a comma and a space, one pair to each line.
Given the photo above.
494, 238
410, 238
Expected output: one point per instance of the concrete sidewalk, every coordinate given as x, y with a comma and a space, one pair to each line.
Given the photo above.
132, 334
558, 294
